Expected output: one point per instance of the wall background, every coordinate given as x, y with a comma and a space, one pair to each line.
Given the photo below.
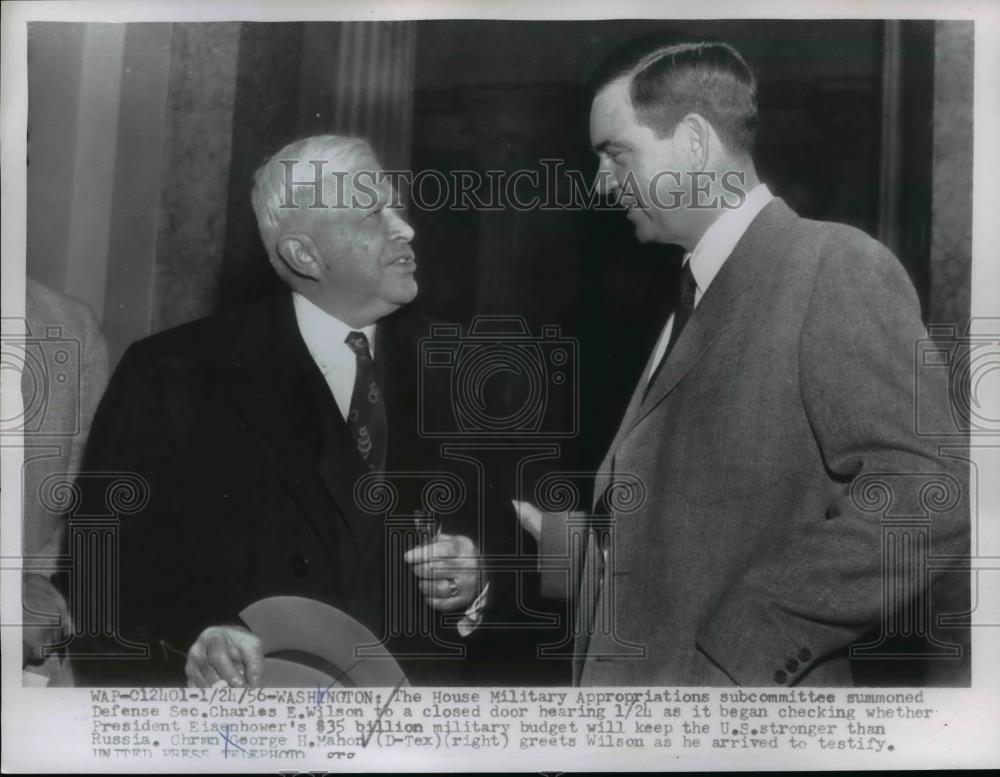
143, 138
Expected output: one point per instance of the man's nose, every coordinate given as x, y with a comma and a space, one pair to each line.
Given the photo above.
399, 228
605, 182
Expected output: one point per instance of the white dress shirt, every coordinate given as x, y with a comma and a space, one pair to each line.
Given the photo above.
325, 337
712, 252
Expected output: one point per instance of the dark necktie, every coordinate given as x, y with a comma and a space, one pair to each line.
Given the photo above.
366, 419
683, 307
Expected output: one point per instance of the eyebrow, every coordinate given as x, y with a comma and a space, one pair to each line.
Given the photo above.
604, 145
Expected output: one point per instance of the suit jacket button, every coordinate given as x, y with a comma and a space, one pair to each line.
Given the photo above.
298, 565
805, 655
791, 665
780, 677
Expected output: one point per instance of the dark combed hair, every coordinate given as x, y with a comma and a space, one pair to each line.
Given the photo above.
672, 75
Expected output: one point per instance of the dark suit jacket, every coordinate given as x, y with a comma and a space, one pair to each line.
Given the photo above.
754, 551
251, 474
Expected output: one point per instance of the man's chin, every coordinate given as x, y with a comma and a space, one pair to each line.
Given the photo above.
645, 232
405, 291
644, 227
649, 231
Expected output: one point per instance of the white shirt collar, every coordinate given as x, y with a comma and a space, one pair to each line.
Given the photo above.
325, 334
721, 238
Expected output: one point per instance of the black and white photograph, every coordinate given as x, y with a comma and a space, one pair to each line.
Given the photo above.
434, 386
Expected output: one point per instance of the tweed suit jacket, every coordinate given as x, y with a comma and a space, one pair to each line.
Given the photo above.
65, 372
60, 401
742, 543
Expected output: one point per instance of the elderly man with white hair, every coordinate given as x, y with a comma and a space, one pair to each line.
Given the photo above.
255, 429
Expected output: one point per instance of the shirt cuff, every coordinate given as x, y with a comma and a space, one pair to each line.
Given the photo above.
474, 615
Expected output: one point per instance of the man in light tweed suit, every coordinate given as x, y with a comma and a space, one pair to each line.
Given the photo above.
771, 438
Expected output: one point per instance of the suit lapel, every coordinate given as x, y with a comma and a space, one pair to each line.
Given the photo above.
722, 304
391, 374
340, 466
604, 472
397, 375
284, 399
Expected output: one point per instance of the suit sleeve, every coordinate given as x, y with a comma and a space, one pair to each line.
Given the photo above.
129, 452
560, 558
835, 579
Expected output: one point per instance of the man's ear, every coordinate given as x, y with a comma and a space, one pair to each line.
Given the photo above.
298, 253
699, 139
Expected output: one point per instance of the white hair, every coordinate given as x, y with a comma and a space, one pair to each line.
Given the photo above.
269, 195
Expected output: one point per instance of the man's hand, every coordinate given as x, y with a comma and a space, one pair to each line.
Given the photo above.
45, 615
226, 654
449, 570
530, 518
